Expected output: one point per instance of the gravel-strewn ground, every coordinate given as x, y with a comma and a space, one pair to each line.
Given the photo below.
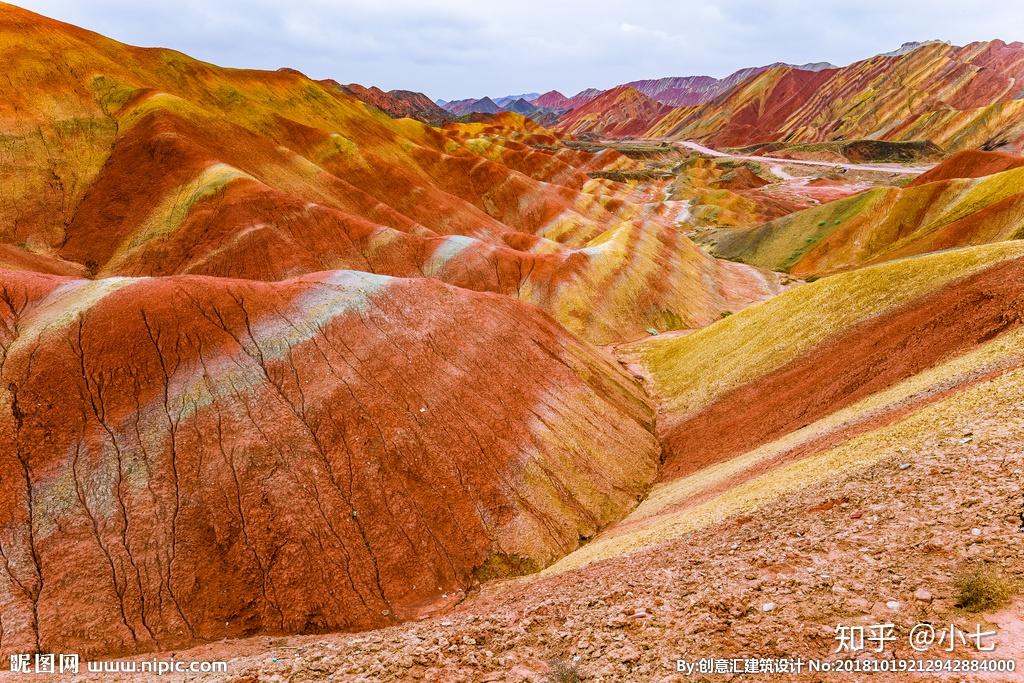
853, 551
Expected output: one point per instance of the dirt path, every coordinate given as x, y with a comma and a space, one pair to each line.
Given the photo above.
881, 168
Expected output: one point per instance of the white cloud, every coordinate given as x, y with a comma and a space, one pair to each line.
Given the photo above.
463, 48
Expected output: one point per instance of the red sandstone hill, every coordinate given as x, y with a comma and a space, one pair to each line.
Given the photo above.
969, 164
619, 112
552, 100
400, 103
484, 105
956, 97
190, 458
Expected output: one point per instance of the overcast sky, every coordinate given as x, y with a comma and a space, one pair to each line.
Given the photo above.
469, 48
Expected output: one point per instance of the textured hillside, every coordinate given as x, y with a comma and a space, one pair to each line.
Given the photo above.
237, 397
824, 381
678, 91
125, 161
834, 523
582, 97
681, 91
191, 458
969, 164
947, 304
957, 97
619, 112
954, 209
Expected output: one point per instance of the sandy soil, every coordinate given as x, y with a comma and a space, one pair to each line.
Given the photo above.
881, 546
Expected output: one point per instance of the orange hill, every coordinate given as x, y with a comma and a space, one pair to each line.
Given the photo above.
191, 458
969, 164
130, 161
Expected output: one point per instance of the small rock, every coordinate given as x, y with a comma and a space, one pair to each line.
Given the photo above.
628, 654
652, 331
923, 595
975, 531
857, 514
893, 605
768, 607
904, 465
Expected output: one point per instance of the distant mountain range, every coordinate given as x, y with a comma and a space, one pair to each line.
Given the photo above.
672, 91
957, 97
398, 103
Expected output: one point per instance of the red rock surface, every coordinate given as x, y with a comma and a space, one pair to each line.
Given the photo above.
619, 112
835, 553
399, 103
957, 97
552, 100
969, 164
858, 362
189, 458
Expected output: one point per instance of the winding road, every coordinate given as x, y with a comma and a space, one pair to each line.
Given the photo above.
881, 168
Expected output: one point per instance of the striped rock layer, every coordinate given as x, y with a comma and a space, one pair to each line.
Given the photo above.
825, 381
956, 97
190, 458
127, 161
972, 198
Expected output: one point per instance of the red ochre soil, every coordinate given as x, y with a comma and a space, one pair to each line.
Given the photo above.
856, 363
619, 112
969, 164
190, 458
740, 178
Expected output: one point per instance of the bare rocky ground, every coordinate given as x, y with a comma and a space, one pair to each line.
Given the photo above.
882, 546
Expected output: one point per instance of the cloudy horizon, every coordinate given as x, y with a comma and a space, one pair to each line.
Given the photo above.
460, 48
